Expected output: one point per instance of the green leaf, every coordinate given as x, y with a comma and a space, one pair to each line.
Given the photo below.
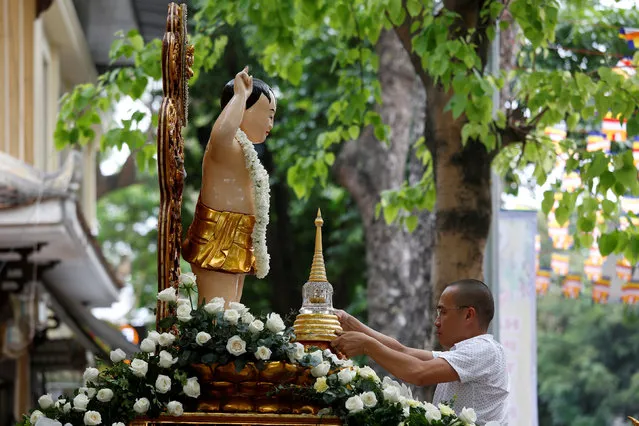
632, 126
353, 132
608, 243
627, 176
137, 42
414, 7
608, 207
411, 223
390, 213
598, 166
606, 181
548, 202
585, 224
562, 214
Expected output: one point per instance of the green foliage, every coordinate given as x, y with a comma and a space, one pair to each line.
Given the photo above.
587, 371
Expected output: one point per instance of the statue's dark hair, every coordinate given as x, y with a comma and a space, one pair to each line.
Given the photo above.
475, 293
259, 88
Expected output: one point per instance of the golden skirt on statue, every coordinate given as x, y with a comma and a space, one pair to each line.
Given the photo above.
220, 241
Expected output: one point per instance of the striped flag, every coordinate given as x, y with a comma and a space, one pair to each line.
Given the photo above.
597, 142
613, 129
631, 35
601, 290
630, 293
571, 286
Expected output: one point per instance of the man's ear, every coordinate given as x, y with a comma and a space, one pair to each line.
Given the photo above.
471, 313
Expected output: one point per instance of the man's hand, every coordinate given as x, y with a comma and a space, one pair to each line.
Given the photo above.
243, 83
352, 343
348, 322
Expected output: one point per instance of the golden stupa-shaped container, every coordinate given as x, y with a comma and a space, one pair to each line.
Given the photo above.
317, 323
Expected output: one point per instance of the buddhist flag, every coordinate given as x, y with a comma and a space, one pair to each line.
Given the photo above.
555, 134
559, 263
542, 282
570, 182
571, 286
613, 129
631, 35
537, 250
592, 270
630, 292
623, 268
635, 151
559, 235
597, 142
630, 204
601, 290
625, 68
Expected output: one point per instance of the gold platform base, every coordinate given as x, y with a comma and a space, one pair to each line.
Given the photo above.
247, 419
316, 327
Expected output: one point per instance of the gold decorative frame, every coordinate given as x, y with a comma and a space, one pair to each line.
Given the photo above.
246, 419
177, 59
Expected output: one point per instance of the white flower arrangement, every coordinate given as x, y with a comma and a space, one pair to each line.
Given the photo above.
160, 380
262, 200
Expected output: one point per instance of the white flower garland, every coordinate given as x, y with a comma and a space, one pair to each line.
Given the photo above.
262, 200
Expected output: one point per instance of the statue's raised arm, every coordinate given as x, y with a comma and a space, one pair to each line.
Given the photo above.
227, 238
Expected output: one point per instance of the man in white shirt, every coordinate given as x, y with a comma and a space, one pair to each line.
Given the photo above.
473, 370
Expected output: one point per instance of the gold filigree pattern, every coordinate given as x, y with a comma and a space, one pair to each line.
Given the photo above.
177, 59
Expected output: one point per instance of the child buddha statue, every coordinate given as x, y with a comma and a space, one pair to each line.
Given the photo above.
227, 238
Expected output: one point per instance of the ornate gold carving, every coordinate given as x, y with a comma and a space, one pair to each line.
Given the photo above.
246, 419
177, 58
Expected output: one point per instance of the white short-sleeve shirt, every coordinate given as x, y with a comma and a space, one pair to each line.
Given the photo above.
483, 379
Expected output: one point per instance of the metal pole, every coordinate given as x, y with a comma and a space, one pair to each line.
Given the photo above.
491, 260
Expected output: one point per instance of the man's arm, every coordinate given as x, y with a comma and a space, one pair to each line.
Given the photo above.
350, 323
401, 365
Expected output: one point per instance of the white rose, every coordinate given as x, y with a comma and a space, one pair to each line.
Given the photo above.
369, 399
391, 394
117, 355
181, 302
141, 405
187, 279
175, 408
406, 411
354, 404
256, 326
492, 423
320, 385
232, 316
118, 424
202, 337
299, 351
347, 363
239, 307
92, 418
274, 322
184, 313
45, 421
90, 392
37, 414
445, 410
166, 360
236, 346
147, 345
468, 416
167, 295
327, 353
166, 339
66, 408
154, 335
80, 402
346, 376
90, 374
247, 318
432, 412
59, 403
263, 353
316, 357
368, 373
214, 307
192, 387
45, 401
163, 383
321, 369
105, 395
139, 367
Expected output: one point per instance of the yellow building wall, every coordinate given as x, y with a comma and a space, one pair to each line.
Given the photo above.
16, 78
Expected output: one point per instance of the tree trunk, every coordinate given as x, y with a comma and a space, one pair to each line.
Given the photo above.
398, 262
